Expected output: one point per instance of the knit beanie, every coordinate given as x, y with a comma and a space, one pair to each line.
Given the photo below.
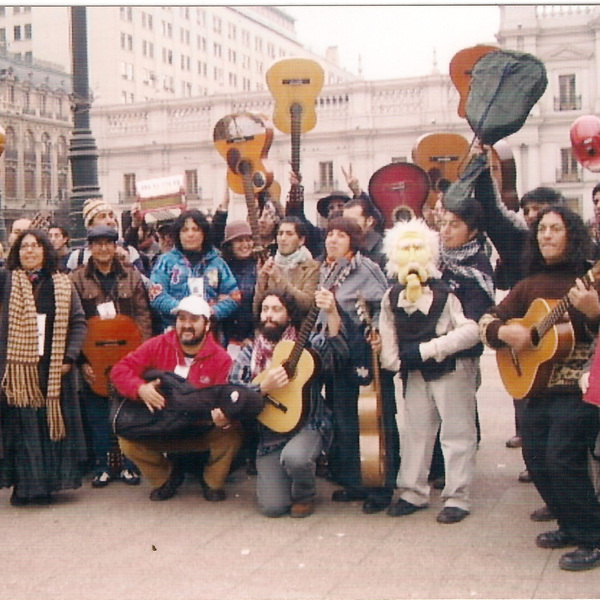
93, 206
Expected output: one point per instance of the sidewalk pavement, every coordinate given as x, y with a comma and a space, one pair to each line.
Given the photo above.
113, 543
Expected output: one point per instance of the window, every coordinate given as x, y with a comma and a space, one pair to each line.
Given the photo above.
325, 176
126, 13
126, 42
17, 32
127, 71
43, 104
245, 61
233, 79
399, 159
16, 10
216, 24
568, 99
150, 22
2, 34
191, 182
246, 38
201, 68
27, 30
232, 56
217, 50
569, 171
129, 185
231, 31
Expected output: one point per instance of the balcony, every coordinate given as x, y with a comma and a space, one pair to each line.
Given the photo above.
575, 176
325, 187
567, 103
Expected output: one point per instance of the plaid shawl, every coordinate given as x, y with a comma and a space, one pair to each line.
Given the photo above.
21, 380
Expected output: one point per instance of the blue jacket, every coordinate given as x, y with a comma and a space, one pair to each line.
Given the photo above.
169, 280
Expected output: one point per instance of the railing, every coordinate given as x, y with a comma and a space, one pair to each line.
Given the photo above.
572, 103
575, 176
322, 187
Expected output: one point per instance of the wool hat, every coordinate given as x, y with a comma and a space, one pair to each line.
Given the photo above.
236, 229
102, 232
195, 305
323, 203
91, 207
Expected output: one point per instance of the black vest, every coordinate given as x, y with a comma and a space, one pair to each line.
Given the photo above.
418, 327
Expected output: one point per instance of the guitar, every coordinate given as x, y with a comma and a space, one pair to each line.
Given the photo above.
399, 184
106, 342
370, 416
527, 372
442, 156
295, 84
243, 140
461, 67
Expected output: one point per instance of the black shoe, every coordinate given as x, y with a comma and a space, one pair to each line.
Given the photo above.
525, 477
17, 500
102, 479
580, 560
129, 477
43, 500
554, 539
402, 508
169, 488
452, 514
542, 514
514, 442
212, 494
347, 495
371, 506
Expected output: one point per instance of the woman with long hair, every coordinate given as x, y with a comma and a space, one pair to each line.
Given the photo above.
42, 445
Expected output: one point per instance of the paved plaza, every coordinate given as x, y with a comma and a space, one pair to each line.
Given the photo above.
114, 544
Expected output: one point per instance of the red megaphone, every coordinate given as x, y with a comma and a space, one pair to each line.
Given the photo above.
585, 141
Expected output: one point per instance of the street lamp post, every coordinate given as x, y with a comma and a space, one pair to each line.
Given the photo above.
83, 153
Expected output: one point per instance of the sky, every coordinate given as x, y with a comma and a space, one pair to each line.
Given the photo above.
395, 41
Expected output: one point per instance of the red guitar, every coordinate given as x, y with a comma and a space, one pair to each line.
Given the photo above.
399, 184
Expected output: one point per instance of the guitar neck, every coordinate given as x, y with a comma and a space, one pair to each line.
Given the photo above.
307, 326
246, 170
296, 122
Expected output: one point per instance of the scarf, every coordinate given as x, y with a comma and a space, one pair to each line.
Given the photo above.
21, 379
453, 259
289, 262
262, 350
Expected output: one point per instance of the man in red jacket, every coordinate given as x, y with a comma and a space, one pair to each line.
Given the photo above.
190, 351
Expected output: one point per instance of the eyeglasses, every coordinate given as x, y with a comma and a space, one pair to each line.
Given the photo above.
31, 246
102, 243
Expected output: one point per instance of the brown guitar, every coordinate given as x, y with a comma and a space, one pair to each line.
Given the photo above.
442, 156
106, 342
461, 68
527, 372
243, 140
370, 416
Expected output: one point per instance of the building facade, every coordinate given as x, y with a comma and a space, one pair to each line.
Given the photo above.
369, 123
35, 113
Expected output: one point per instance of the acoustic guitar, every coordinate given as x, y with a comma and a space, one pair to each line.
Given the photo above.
399, 184
295, 84
461, 67
106, 342
371, 438
286, 408
527, 372
243, 140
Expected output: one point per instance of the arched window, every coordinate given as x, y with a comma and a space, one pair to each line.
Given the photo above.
30, 165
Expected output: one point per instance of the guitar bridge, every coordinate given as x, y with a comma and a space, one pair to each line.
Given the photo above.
278, 405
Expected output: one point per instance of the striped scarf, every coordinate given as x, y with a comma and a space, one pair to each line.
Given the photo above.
21, 379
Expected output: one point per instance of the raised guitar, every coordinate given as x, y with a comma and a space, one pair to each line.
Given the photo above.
527, 372
461, 66
106, 342
399, 184
295, 84
371, 439
243, 140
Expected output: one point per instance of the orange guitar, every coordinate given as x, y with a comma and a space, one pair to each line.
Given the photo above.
370, 417
106, 342
461, 67
527, 372
243, 140
295, 84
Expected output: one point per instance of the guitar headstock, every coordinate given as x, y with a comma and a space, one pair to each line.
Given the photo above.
364, 313
41, 220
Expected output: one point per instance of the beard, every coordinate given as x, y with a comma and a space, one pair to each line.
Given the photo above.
272, 332
191, 341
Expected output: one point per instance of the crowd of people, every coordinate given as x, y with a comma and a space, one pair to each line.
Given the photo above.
214, 313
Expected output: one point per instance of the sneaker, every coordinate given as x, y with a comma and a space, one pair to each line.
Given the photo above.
212, 494
542, 514
300, 510
580, 560
129, 477
169, 488
554, 539
101, 479
403, 508
452, 514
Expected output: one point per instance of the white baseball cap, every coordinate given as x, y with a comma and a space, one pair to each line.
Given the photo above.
195, 305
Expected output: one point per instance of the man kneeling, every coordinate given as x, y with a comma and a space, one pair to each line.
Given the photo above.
191, 352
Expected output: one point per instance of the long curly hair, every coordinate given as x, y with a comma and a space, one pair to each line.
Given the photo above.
50, 263
579, 244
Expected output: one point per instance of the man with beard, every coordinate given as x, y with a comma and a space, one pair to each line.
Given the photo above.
286, 462
191, 352
424, 335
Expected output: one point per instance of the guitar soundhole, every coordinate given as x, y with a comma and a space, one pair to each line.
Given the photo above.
258, 180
